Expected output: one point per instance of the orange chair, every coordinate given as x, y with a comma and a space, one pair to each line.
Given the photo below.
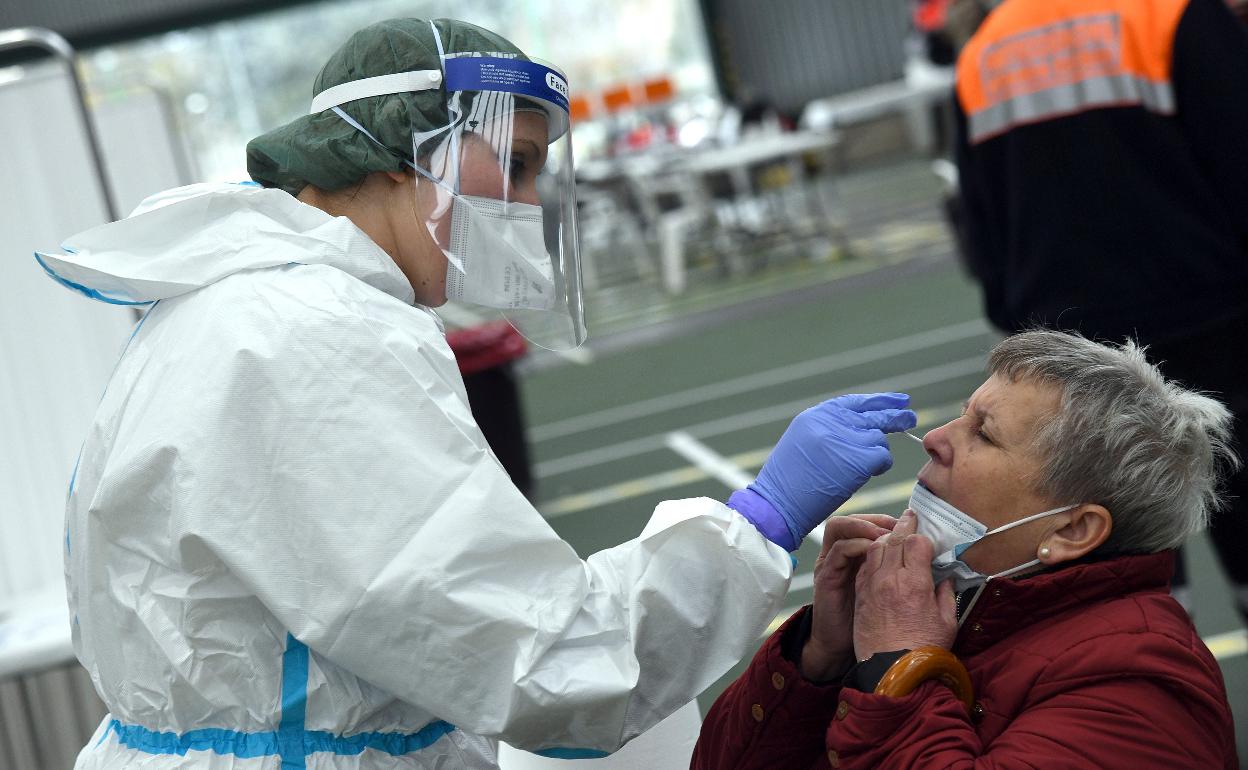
658, 90
580, 108
618, 98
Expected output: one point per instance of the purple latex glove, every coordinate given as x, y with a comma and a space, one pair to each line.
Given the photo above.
827, 453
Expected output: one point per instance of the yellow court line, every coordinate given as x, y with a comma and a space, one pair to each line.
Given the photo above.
752, 460
1228, 644
778, 621
1223, 646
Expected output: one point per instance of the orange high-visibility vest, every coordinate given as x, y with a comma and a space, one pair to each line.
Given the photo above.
1035, 60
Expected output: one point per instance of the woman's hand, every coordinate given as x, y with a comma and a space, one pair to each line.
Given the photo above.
896, 606
830, 650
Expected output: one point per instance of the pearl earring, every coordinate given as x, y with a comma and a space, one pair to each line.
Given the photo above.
1044, 552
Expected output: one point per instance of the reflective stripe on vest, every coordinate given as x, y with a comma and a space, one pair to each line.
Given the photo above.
1036, 60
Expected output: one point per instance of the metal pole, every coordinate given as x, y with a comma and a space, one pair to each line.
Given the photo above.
47, 40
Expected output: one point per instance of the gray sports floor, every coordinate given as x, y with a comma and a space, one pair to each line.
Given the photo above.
625, 427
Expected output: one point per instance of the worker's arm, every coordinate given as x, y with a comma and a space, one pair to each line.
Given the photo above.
382, 533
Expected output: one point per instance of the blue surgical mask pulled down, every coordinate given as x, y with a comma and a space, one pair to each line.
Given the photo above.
952, 532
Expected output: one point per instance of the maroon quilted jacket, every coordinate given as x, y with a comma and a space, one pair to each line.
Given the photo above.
1091, 666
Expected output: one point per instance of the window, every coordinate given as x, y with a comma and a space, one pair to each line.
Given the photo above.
231, 81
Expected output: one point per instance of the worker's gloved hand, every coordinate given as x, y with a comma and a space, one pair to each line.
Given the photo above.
827, 453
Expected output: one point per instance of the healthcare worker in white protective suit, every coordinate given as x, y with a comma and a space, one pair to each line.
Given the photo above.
287, 543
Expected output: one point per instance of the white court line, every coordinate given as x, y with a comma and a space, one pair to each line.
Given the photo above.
458, 315
747, 383
582, 355
1228, 644
704, 458
801, 582
872, 499
1224, 646
754, 418
464, 318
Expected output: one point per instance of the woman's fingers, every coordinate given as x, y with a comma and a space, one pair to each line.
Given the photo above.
882, 520
845, 551
844, 527
917, 551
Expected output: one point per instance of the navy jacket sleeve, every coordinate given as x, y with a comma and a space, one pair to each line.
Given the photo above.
975, 222
1210, 76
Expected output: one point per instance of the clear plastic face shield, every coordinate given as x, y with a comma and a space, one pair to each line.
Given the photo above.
505, 210
496, 192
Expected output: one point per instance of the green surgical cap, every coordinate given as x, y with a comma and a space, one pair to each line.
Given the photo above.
324, 150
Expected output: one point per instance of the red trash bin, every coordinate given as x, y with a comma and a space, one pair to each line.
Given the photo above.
486, 355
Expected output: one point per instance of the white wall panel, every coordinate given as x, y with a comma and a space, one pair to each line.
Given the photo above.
57, 348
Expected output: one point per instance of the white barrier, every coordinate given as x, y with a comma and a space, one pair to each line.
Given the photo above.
667, 746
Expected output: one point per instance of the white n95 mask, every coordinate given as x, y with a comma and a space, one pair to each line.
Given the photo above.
501, 253
952, 532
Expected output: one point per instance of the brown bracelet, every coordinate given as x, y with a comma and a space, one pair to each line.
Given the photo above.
918, 666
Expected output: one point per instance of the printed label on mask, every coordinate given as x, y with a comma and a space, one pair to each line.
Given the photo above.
501, 251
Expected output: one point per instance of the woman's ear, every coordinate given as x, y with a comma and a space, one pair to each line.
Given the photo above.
398, 177
1086, 528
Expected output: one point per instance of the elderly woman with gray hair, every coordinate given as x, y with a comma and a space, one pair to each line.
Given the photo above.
1017, 614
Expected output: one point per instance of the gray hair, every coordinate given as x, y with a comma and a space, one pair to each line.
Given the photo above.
1125, 437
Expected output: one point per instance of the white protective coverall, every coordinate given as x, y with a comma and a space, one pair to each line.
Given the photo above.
289, 546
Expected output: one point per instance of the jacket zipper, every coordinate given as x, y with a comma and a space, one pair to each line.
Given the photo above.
961, 613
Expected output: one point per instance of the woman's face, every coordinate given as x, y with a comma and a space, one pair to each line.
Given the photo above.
984, 464
501, 160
